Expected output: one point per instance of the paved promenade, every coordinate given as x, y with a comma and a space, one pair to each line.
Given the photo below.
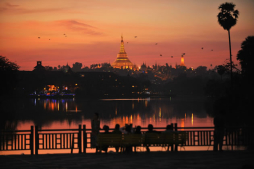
141, 160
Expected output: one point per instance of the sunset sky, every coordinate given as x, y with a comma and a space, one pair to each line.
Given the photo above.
93, 31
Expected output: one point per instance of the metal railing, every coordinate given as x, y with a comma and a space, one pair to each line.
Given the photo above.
17, 140
37, 139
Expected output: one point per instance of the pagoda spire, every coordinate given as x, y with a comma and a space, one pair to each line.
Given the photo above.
122, 46
182, 61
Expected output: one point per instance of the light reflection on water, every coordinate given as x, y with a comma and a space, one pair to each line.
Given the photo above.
69, 113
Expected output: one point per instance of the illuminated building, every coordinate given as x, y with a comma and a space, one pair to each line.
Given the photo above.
122, 61
182, 61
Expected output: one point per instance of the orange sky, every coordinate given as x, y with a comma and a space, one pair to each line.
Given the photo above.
94, 27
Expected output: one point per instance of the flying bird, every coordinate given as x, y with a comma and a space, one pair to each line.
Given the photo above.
156, 43
135, 36
171, 56
38, 37
202, 48
212, 50
127, 42
160, 54
49, 39
183, 53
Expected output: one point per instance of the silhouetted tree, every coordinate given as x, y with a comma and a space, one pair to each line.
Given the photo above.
201, 70
246, 56
227, 18
8, 74
76, 67
221, 70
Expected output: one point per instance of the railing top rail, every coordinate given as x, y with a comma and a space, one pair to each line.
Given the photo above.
195, 127
58, 130
12, 131
163, 128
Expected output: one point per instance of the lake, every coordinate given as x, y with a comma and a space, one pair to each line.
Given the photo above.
69, 113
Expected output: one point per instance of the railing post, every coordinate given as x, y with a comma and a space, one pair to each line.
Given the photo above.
72, 143
172, 145
84, 139
176, 145
79, 138
32, 140
36, 140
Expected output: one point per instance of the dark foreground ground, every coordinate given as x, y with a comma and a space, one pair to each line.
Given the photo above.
141, 160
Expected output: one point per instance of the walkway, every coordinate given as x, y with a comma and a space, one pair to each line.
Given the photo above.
141, 160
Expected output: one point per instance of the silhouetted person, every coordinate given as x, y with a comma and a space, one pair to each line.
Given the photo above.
169, 129
106, 131
131, 129
219, 125
150, 130
127, 129
123, 129
95, 131
128, 149
137, 131
117, 131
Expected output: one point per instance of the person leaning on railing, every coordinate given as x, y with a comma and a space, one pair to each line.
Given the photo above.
219, 127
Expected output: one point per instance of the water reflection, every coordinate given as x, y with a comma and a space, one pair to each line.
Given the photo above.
69, 113
63, 105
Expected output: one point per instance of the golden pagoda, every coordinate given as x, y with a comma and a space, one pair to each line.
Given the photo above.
122, 61
182, 61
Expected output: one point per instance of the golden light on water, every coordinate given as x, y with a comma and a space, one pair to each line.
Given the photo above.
45, 104
116, 111
138, 117
192, 119
52, 106
160, 114
182, 122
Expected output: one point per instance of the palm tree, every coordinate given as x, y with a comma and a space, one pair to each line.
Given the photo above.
227, 18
